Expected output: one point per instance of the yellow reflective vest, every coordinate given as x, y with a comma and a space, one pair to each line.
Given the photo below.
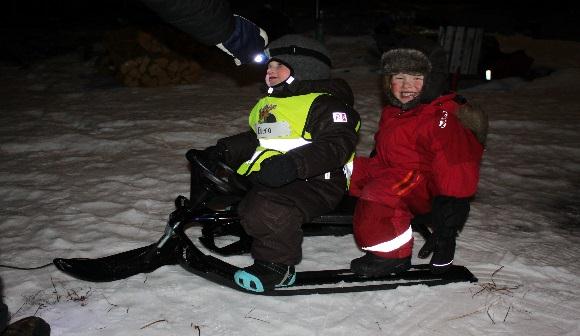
279, 124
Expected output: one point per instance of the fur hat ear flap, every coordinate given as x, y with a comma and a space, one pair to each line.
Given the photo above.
409, 61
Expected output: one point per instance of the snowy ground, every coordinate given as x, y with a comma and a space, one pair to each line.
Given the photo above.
90, 169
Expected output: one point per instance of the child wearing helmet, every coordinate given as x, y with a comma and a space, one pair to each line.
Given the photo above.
302, 134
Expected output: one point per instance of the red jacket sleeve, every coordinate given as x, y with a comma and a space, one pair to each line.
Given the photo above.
457, 156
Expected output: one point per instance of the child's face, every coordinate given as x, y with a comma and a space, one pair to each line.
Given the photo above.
276, 73
406, 87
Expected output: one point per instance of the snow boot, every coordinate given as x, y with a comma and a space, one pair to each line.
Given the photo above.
372, 266
427, 249
264, 275
28, 326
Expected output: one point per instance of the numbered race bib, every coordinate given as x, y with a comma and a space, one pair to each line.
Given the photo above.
273, 130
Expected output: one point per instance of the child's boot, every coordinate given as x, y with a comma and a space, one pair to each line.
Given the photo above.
28, 326
264, 275
373, 266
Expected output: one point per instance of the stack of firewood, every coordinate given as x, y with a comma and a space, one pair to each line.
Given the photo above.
139, 58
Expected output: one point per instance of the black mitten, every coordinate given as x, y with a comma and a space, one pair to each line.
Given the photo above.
277, 171
213, 153
449, 214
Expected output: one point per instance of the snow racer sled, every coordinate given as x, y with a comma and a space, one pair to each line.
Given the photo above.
215, 191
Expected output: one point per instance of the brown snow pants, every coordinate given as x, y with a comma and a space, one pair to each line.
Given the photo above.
273, 217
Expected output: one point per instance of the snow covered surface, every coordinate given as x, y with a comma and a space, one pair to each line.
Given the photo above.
89, 169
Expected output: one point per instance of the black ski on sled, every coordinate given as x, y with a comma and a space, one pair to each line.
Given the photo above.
178, 248
174, 247
325, 281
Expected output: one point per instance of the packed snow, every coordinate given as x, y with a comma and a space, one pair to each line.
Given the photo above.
90, 168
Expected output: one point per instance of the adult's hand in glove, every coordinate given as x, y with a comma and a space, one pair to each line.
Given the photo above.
277, 171
246, 41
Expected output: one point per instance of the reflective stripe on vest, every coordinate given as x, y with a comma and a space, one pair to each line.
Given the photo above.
392, 244
348, 168
283, 145
253, 164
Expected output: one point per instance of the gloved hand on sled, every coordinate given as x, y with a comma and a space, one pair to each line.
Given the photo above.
277, 171
209, 156
214, 153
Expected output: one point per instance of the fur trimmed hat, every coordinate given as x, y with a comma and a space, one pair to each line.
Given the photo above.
306, 57
417, 49
409, 61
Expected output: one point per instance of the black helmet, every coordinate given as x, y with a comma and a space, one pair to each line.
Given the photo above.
306, 57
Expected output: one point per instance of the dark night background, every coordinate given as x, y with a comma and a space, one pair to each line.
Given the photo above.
32, 31
86, 161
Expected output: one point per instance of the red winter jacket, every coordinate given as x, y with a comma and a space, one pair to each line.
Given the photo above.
425, 144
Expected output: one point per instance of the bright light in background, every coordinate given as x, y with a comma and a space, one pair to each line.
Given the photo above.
487, 74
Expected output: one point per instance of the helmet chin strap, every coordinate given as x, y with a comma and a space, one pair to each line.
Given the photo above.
288, 81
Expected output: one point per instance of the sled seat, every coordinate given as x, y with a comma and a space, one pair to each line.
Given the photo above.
342, 215
217, 187
336, 223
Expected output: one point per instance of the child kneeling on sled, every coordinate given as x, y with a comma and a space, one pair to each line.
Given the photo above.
302, 134
425, 161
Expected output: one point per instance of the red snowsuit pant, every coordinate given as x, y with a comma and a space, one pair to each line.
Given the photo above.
386, 205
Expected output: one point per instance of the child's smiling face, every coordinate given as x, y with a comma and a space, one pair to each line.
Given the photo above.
406, 87
276, 73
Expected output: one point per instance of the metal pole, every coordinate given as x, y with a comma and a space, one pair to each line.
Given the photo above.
319, 33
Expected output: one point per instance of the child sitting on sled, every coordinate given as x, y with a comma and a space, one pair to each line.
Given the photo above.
424, 161
302, 134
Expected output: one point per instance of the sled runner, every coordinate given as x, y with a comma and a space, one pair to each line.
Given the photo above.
212, 205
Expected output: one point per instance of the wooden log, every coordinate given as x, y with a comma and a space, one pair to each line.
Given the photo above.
139, 58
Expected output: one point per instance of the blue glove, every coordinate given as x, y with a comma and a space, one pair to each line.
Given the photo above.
246, 41
277, 171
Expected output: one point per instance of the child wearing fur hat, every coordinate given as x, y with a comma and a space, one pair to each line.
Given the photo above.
302, 134
425, 161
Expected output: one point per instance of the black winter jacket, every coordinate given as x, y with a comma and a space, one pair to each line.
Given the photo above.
332, 142
208, 21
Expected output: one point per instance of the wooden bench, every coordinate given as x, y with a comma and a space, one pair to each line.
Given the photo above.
463, 48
